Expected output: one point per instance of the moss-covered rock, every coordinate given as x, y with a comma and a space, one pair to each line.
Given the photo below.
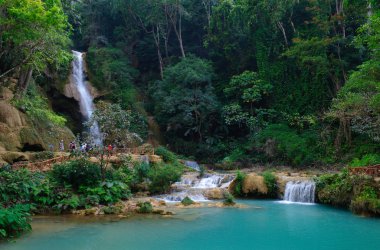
360, 193
18, 132
187, 201
252, 185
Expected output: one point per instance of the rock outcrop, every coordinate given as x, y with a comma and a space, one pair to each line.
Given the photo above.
19, 133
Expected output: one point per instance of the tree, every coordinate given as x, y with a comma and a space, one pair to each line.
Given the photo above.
34, 34
357, 105
245, 91
248, 88
114, 124
185, 99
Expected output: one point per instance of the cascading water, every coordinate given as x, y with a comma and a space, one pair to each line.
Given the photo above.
85, 101
193, 164
300, 191
196, 188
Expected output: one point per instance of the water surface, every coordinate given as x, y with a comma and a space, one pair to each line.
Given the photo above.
273, 226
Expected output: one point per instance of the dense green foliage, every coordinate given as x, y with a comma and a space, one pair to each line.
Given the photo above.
75, 184
13, 221
271, 183
240, 176
232, 79
358, 192
76, 173
166, 155
37, 107
120, 127
162, 176
34, 35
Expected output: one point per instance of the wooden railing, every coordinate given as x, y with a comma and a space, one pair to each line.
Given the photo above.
370, 170
47, 164
135, 151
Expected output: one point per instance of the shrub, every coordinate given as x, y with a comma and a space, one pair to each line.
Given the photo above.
14, 221
111, 210
292, 147
17, 186
187, 201
162, 176
37, 107
271, 183
123, 174
167, 155
77, 173
366, 202
44, 155
106, 193
228, 200
141, 171
145, 207
366, 160
240, 176
68, 201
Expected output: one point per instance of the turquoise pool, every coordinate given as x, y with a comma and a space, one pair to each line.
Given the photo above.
271, 226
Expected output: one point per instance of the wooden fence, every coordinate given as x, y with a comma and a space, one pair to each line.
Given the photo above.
370, 170
47, 164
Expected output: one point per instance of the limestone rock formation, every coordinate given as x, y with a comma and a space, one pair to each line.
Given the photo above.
18, 133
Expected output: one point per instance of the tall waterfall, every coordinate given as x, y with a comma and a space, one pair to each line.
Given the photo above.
85, 101
300, 191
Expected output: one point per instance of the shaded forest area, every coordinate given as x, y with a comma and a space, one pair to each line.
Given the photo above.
255, 81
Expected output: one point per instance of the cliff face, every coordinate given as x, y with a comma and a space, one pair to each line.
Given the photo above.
19, 133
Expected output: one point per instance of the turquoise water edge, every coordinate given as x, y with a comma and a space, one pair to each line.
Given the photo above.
262, 225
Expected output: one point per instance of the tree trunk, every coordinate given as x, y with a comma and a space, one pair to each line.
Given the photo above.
281, 26
180, 35
24, 78
156, 37
176, 17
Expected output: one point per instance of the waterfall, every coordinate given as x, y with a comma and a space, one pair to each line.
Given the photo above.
85, 99
300, 191
197, 189
212, 181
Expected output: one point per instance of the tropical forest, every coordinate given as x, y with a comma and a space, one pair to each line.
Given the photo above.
189, 124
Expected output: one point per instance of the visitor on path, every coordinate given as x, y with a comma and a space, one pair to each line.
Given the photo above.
109, 149
51, 147
61, 146
72, 146
88, 148
83, 147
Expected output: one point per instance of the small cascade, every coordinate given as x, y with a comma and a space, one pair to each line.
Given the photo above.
196, 188
193, 164
85, 101
300, 191
212, 181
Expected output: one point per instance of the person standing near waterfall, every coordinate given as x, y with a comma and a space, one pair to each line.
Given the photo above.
61, 146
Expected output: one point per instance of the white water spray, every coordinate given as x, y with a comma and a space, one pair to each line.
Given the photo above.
196, 189
300, 191
85, 101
